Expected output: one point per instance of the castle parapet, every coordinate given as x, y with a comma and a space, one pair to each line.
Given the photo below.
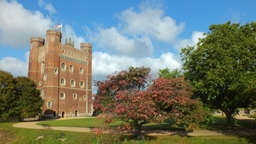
54, 32
85, 46
38, 39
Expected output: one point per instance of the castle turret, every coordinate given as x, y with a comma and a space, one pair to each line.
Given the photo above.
52, 50
33, 68
52, 64
53, 40
87, 47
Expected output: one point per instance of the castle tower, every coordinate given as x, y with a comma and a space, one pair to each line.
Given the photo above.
50, 78
87, 47
63, 74
35, 43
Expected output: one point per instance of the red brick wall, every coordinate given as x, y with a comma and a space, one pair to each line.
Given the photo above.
53, 54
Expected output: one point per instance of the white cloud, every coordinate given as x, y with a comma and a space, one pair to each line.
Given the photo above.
14, 66
150, 21
17, 24
192, 41
111, 40
47, 6
105, 64
127, 45
68, 32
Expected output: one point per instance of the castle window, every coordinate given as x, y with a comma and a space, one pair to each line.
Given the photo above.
81, 83
85, 97
42, 94
71, 68
72, 83
42, 68
40, 83
62, 81
74, 96
56, 71
63, 66
62, 95
45, 77
81, 70
49, 104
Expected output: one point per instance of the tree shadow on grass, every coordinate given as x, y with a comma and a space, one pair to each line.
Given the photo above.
244, 128
133, 137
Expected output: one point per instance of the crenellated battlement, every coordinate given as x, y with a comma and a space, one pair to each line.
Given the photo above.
85, 45
52, 31
39, 39
69, 42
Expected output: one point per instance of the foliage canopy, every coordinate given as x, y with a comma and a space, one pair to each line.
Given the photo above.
135, 98
19, 97
222, 67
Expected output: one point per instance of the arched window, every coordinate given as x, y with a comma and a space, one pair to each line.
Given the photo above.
56, 71
72, 83
63, 66
74, 96
40, 83
62, 95
42, 67
49, 104
81, 70
62, 81
45, 77
71, 68
81, 84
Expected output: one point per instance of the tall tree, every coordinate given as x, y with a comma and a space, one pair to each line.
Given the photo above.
8, 105
19, 97
222, 67
167, 73
29, 100
132, 97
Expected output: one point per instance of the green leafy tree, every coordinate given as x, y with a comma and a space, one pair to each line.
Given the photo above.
29, 100
166, 73
19, 97
8, 101
222, 67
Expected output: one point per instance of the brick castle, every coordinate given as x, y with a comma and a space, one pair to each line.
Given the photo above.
63, 74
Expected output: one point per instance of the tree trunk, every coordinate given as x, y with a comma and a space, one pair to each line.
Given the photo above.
138, 131
229, 118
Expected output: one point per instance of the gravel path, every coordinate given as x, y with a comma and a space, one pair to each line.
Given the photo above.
33, 125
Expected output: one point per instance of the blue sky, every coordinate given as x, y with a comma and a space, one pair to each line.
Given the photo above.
146, 33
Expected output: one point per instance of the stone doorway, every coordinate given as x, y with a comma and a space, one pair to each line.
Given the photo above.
76, 113
54, 114
63, 114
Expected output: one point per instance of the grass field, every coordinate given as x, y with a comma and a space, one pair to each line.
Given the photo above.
94, 122
219, 124
9, 134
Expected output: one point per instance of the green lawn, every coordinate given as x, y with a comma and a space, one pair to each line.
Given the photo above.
94, 122
220, 122
9, 134
81, 122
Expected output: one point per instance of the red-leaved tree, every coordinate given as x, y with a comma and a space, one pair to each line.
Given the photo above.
133, 97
